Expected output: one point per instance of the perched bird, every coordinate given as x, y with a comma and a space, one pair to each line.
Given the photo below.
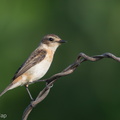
38, 63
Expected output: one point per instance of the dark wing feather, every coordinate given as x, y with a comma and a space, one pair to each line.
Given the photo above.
36, 57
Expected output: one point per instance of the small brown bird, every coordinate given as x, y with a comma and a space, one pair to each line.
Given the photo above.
38, 63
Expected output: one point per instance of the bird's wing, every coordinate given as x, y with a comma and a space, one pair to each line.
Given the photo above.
36, 57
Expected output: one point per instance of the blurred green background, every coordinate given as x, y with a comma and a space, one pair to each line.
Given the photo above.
92, 92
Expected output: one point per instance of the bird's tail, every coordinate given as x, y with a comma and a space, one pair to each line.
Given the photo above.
14, 84
6, 89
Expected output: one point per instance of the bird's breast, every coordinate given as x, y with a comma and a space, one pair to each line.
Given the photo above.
39, 70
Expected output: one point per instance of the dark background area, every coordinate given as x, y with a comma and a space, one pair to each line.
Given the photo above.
92, 92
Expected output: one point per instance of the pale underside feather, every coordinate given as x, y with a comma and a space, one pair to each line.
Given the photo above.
36, 57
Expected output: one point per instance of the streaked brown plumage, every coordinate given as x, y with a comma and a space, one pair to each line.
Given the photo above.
36, 66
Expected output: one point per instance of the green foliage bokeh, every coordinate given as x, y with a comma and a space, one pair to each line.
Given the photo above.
89, 26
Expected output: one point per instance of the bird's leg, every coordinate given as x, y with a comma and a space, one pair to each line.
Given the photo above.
26, 86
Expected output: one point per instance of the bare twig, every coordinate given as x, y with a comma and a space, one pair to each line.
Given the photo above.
70, 69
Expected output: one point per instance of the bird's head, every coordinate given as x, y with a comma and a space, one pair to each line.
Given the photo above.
52, 40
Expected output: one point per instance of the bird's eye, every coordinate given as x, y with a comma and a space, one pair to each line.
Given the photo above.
51, 39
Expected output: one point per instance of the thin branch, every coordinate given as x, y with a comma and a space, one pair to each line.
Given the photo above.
70, 69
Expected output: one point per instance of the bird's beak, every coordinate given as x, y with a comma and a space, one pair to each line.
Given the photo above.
62, 41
